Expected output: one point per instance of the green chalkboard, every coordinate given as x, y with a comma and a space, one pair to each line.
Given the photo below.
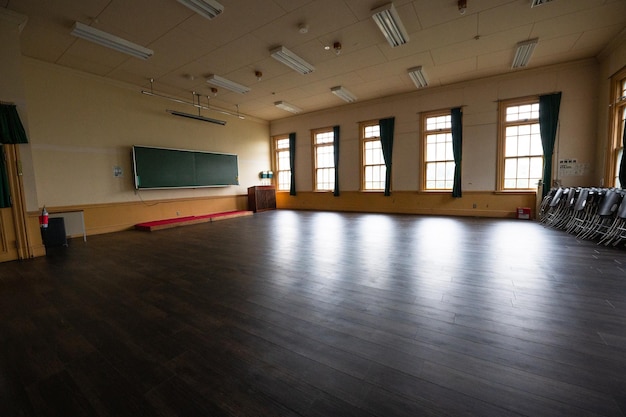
178, 168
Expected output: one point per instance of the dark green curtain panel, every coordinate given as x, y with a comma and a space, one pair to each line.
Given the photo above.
386, 142
336, 150
549, 106
11, 132
457, 149
292, 163
5, 195
11, 128
622, 162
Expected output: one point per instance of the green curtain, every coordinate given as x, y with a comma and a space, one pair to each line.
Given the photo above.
622, 162
549, 105
11, 131
457, 149
386, 142
292, 162
11, 128
336, 155
5, 194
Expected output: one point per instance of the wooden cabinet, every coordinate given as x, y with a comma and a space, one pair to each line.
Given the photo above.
261, 197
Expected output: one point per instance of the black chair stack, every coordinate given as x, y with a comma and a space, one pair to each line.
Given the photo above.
590, 213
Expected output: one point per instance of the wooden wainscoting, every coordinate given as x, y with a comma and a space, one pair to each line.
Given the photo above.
115, 217
473, 203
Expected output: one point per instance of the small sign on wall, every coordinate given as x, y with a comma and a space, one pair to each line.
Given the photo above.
572, 168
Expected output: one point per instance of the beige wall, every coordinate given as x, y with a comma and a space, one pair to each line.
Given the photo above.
82, 126
12, 90
575, 138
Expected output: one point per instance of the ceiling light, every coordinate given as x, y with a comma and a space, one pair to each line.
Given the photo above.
524, 51
343, 94
205, 8
228, 84
292, 60
196, 117
288, 107
539, 2
110, 41
387, 19
417, 76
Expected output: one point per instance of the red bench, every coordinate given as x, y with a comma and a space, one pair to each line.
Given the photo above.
183, 221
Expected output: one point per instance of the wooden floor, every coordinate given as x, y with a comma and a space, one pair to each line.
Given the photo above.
290, 313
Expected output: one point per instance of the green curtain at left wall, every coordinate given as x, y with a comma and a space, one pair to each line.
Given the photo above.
5, 195
457, 149
11, 132
292, 163
386, 143
336, 156
11, 128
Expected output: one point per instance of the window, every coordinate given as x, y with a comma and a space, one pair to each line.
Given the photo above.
520, 151
324, 154
616, 128
437, 150
373, 162
281, 163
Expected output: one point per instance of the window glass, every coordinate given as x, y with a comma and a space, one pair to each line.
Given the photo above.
521, 152
324, 152
438, 156
373, 162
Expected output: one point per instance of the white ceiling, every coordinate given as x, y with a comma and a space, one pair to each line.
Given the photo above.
187, 47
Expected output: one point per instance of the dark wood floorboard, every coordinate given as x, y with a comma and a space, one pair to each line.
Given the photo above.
289, 313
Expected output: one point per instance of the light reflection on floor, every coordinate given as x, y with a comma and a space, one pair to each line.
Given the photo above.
433, 251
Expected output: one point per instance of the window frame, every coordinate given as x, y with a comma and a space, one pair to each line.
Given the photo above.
502, 126
424, 145
363, 167
276, 167
315, 146
616, 125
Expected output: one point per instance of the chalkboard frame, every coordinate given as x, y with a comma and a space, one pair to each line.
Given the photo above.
169, 168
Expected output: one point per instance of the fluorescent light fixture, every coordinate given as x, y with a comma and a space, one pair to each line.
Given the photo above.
284, 55
343, 94
196, 117
288, 107
228, 84
388, 20
524, 51
110, 41
417, 76
205, 8
539, 2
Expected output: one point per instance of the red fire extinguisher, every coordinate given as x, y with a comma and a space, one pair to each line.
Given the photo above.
43, 219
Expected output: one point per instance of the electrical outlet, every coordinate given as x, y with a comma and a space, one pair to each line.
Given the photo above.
474, 205
178, 213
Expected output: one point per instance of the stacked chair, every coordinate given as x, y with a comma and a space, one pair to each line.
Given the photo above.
590, 213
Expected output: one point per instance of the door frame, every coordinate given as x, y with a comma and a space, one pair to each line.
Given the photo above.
18, 202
